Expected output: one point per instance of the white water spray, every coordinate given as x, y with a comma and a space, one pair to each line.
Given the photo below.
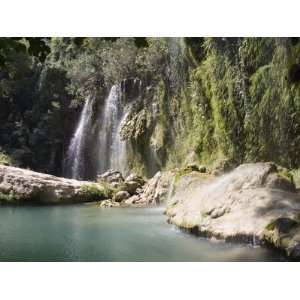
75, 158
112, 149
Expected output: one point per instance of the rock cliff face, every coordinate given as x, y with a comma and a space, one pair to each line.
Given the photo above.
254, 203
23, 186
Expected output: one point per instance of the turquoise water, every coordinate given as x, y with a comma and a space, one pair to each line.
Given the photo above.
89, 233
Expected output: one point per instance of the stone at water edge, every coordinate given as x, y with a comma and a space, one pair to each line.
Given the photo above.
121, 195
132, 200
239, 205
21, 186
109, 203
156, 189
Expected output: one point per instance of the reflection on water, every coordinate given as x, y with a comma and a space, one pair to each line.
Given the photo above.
89, 233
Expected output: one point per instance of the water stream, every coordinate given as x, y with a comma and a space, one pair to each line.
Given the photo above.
111, 148
75, 156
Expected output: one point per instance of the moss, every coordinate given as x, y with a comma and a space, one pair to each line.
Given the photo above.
270, 227
6, 159
286, 174
95, 191
11, 197
239, 105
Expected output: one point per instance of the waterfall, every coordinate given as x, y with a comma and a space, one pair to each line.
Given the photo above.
118, 154
111, 148
177, 72
75, 155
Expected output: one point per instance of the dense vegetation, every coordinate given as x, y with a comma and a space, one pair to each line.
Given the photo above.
205, 100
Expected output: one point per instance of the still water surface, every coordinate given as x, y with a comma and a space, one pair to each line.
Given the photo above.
89, 233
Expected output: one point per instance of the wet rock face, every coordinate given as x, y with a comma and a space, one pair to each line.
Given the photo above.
284, 233
131, 88
111, 176
252, 202
155, 190
22, 186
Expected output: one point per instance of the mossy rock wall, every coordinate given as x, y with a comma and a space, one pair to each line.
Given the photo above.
239, 101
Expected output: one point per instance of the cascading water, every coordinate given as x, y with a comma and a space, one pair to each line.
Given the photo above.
75, 159
177, 72
118, 157
112, 149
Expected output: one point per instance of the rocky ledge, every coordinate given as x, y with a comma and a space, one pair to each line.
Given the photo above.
19, 186
134, 190
255, 203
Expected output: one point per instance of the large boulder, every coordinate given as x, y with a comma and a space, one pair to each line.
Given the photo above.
155, 191
121, 195
24, 186
243, 205
133, 183
134, 177
131, 186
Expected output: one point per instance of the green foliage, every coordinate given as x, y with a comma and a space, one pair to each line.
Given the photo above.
242, 104
107, 188
34, 46
6, 159
215, 99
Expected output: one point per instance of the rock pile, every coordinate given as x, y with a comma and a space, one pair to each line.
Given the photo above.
135, 191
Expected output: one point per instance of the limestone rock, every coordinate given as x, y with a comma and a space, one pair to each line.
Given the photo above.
132, 200
284, 233
155, 191
223, 166
131, 186
121, 195
277, 181
21, 186
239, 206
136, 178
111, 176
109, 203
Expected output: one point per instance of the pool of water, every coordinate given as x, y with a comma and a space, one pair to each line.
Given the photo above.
90, 233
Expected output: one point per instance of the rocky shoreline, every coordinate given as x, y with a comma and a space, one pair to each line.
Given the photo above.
20, 186
135, 190
254, 203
